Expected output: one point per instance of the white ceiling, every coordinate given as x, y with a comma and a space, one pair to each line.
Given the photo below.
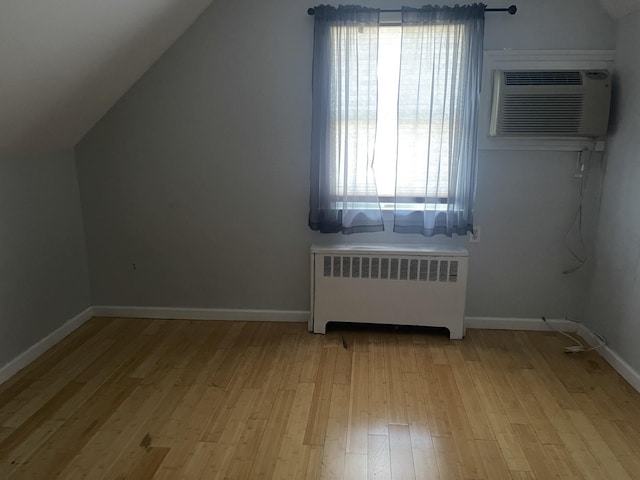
64, 63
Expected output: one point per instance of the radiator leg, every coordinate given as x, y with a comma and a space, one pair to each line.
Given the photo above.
456, 333
319, 327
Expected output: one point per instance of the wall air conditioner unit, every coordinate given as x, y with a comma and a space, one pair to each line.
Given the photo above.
565, 103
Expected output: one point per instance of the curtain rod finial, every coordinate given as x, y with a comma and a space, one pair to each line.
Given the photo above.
512, 10
311, 11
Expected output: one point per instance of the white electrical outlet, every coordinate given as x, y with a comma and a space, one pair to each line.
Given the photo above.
474, 236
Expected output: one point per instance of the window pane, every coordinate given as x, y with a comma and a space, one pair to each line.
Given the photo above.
386, 132
422, 172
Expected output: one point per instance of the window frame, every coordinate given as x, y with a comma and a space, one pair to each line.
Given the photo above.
385, 201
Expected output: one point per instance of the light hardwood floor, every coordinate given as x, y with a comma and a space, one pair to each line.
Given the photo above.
137, 399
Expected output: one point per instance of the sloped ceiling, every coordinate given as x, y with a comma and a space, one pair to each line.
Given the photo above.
64, 63
619, 8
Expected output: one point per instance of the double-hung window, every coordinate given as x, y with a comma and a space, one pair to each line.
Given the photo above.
395, 119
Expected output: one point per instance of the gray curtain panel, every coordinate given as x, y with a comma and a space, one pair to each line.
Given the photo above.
345, 94
438, 98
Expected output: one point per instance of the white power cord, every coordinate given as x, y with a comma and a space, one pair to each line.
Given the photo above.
580, 347
582, 173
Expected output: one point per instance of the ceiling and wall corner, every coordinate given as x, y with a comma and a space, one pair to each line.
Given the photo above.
66, 62
620, 8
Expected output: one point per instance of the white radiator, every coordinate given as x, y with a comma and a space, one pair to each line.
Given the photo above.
412, 285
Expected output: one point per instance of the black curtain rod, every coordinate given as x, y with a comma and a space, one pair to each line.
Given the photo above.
511, 10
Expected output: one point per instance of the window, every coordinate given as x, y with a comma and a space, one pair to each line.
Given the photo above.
407, 190
394, 119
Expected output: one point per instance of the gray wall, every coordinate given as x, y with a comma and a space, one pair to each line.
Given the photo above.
44, 279
613, 307
199, 175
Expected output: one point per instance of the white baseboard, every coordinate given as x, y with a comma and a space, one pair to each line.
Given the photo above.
203, 314
33, 352
616, 361
499, 323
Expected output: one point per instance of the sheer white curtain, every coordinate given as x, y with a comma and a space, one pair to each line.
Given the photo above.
430, 155
438, 97
345, 94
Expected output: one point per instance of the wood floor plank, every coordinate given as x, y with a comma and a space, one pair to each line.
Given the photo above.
273, 378
107, 445
311, 462
5, 432
437, 350
201, 362
394, 392
462, 432
64, 368
335, 443
378, 422
534, 411
358, 422
310, 350
534, 450
434, 402
265, 456
355, 466
496, 362
251, 440
495, 466
148, 434
47, 412
500, 425
197, 463
70, 345
294, 358
449, 467
292, 449
221, 412
563, 464
319, 412
378, 457
147, 465
165, 399
598, 447
401, 453
468, 395
582, 457
619, 446
344, 357
544, 365
424, 460
408, 359
53, 456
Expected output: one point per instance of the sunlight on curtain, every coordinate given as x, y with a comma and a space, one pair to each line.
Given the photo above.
394, 121
438, 97
344, 197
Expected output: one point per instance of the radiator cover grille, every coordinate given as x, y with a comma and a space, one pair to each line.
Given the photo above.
402, 286
385, 268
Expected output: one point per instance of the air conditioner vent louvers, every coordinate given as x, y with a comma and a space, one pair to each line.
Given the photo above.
542, 78
550, 103
542, 114
443, 271
551, 114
